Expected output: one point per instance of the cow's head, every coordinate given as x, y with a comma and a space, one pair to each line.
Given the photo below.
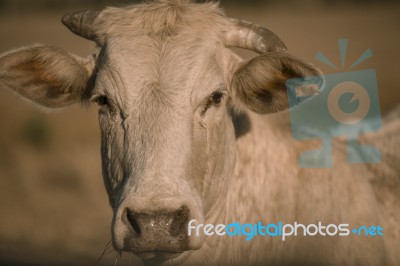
166, 83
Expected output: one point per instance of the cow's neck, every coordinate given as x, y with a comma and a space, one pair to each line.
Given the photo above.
263, 173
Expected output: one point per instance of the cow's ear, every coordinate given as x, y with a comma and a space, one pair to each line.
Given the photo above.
260, 83
45, 75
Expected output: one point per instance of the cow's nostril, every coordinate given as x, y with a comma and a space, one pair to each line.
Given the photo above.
180, 219
130, 215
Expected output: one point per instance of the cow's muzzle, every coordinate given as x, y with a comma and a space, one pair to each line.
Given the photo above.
154, 232
155, 227
160, 231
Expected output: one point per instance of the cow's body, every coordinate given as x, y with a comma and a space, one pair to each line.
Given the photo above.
175, 148
269, 186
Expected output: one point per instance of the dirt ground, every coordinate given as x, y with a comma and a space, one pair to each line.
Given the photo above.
53, 206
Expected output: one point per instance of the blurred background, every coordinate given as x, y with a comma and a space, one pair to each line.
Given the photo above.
53, 206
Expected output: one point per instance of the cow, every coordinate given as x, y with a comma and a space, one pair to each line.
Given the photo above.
193, 134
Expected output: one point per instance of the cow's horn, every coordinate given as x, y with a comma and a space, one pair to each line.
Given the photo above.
82, 24
253, 37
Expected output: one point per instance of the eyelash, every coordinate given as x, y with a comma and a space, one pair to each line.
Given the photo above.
214, 99
101, 100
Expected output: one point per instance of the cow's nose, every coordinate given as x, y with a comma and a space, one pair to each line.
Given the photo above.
158, 231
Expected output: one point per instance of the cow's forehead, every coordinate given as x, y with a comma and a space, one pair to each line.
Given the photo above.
176, 71
162, 47
161, 18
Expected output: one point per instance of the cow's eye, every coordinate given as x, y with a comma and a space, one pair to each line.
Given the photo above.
212, 100
101, 100
216, 97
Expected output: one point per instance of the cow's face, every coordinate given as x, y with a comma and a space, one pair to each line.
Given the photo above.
167, 136
165, 83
